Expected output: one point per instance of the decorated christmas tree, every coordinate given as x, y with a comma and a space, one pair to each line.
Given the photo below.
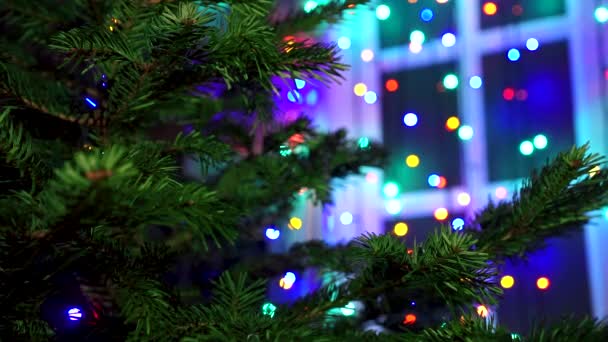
102, 101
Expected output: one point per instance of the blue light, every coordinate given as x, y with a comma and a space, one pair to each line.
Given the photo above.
426, 15
300, 83
293, 96
272, 233
290, 277
346, 218
74, 314
312, 97
104, 84
410, 119
513, 55
448, 40
465, 132
475, 82
393, 206
91, 102
532, 44
343, 43
434, 180
370, 97
458, 224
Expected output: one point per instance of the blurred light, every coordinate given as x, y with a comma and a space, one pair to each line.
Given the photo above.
272, 233
490, 8
344, 43
285, 285
390, 190
463, 199
400, 229
448, 40
371, 177
348, 309
521, 95
415, 47
74, 314
526, 148
465, 132
433, 180
370, 97
515, 337
426, 15
312, 97
91, 102
475, 82
452, 123
507, 282
346, 218
269, 309
594, 171
410, 119
450, 81
458, 224
508, 94
517, 10
501, 192
295, 223
513, 55
383, 12
392, 85
360, 89
367, 55
606, 214
290, 277
363, 142
417, 37
482, 311
293, 96
540, 141
409, 319
440, 214
601, 14
412, 160
443, 182
393, 206
543, 283
532, 44
442, 1
412, 1
300, 83
310, 5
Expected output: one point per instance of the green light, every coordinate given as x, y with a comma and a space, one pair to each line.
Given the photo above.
450, 81
540, 141
383, 12
601, 14
268, 309
390, 190
526, 148
348, 310
310, 5
417, 37
284, 150
363, 143
515, 337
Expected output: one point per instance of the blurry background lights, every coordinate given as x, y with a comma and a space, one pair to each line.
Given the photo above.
450, 81
300, 83
458, 224
543, 283
426, 15
594, 170
74, 314
348, 309
290, 277
272, 233
443, 182
415, 47
501, 192
346, 218
370, 97
465, 132
390, 190
393, 206
409, 319
383, 12
513, 55
295, 223
532, 44
417, 37
392, 85
448, 39
442, 1
452, 123
475, 82
367, 55
363, 142
310, 5
412, 160
371, 177
440, 214
507, 282
490, 8
400, 229
508, 94
360, 89
433, 180
344, 43
540, 141
482, 311
269, 309
463, 199
601, 14
526, 148
410, 119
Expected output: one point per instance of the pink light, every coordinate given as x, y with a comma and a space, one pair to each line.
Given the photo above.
501, 192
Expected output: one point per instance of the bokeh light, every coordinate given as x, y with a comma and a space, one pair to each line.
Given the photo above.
74, 314
482, 311
532, 44
371, 177
269, 309
293, 96
391, 85
543, 283
540, 141
452, 123
295, 223
344, 43
415, 47
508, 94
501, 192
440, 214
367, 55
390, 189
513, 55
412, 160
393, 206
443, 182
400, 229
360, 89
363, 142
450, 81
290, 277
409, 319
463, 199
490, 8
507, 281
458, 224
299, 83
410, 119
433, 180
601, 14
448, 39
594, 170
383, 12
348, 309
310, 5
526, 148
272, 233
417, 37
475, 82
346, 218
426, 15
370, 97
465, 132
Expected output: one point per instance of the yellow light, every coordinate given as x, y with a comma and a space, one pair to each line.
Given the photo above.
463, 199
594, 171
285, 285
441, 214
543, 283
507, 282
367, 55
295, 223
401, 229
482, 311
412, 160
111, 28
452, 123
360, 89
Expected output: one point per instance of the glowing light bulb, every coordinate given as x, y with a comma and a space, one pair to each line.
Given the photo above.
370, 97
346, 218
410, 119
344, 43
526, 148
392, 85
390, 189
268, 309
440, 214
543, 283
465, 132
393, 206
601, 14
300, 83
501, 192
293, 96
513, 55
295, 223
452, 123
507, 281
284, 284
458, 224
508, 94
363, 142
540, 141
383, 12
433, 180
426, 15
443, 182
360, 89
272, 233
90, 102
400, 229
463, 199
412, 160
348, 309
475, 82
417, 37
448, 39
415, 48
367, 55
74, 314
450, 81
290, 277
371, 177
532, 44
490, 8
482, 311
409, 319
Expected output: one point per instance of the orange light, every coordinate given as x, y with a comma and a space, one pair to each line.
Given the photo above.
412, 1
392, 85
409, 319
452, 123
410, 251
543, 283
490, 8
442, 182
285, 285
441, 214
482, 311
507, 282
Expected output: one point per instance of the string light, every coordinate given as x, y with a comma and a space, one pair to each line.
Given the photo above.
370, 97
508, 94
501, 192
293, 96
344, 43
475, 82
415, 48
442, 1
74, 314
440, 214
458, 224
312, 97
269, 309
300, 83
450, 81
392, 85
594, 171
526, 148
400, 229
412, 161
452, 123
383, 12
517, 10
371, 177
367, 55
360, 89
507, 281
490, 8
433, 180
390, 190
393, 206
410, 119
601, 14
540, 141
426, 15
482, 311
348, 309
463, 199
532, 44
346, 218
310, 5
543, 283
363, 142
272, 233
91, 102
465, 132
443, 182
409, 319
513, 55
521, 95
448, 39
417, 37
295, 223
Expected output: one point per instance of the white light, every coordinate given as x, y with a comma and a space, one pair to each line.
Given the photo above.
410, 119
458, 224
74, 314
475, 82
370, 97
393, 206
415, 48
448, 40
532, 44
465, 132
383, 12
344, 43
272, 233
540, 141
391, 189
417, 37
289, 277
346, 218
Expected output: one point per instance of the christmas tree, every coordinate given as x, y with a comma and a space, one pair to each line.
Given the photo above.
100, 103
